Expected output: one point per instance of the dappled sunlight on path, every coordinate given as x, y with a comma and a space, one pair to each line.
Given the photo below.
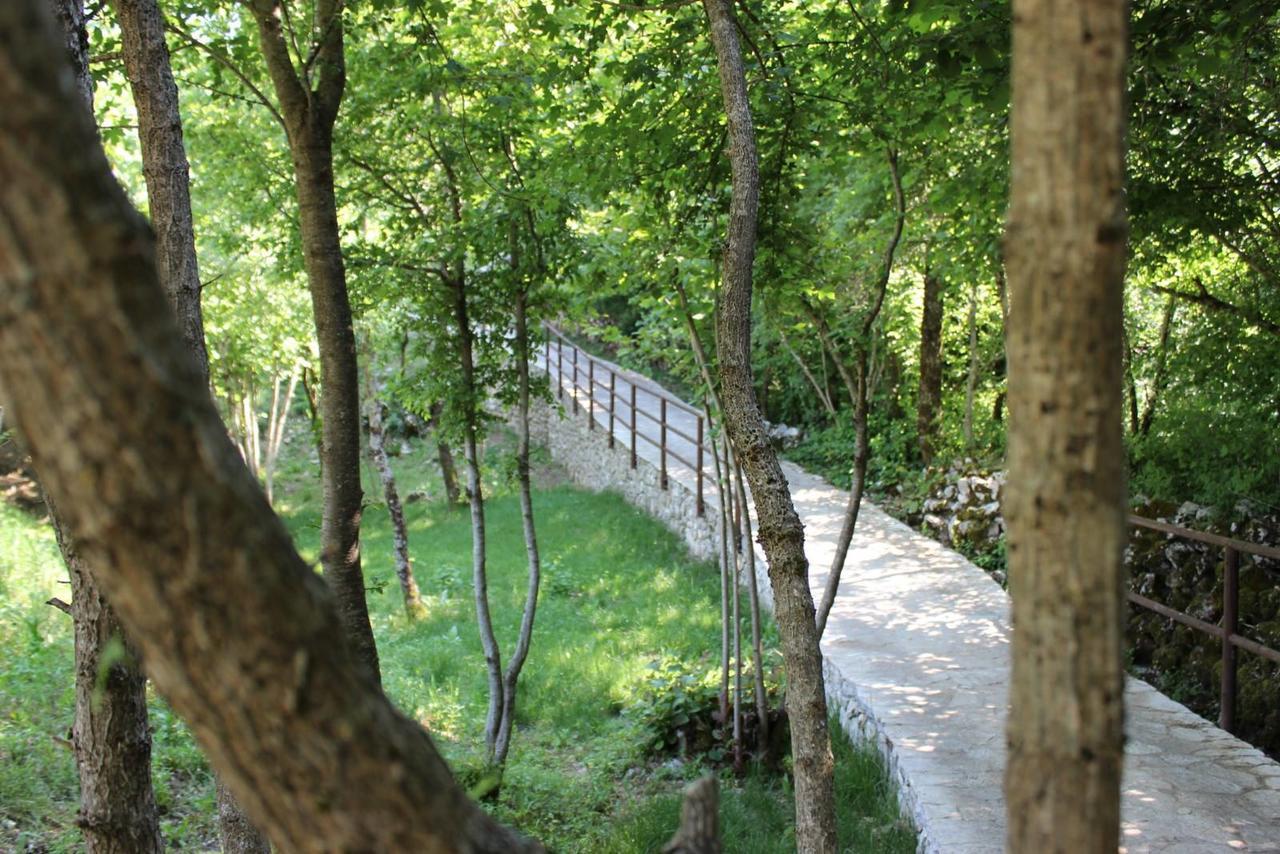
917, 662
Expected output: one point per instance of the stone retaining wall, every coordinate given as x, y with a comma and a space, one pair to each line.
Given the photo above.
592, 464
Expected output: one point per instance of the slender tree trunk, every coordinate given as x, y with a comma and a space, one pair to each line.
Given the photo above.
1130, 384
1065, 245
726, 550
110, 733
399, 530
929, 401
971, 383
781, 532
308, 109
823, 397
516, 663
858, 386
753, 603
275, 437
1162, 363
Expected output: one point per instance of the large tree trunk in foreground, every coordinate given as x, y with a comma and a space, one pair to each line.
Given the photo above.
1065, 245
308, 108
237, 631
110, 733
168, 179
929, 401
781, 533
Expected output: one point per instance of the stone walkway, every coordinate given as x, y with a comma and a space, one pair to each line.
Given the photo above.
917, 662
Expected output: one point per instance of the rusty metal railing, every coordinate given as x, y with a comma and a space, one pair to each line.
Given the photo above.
564, 363
1226, 631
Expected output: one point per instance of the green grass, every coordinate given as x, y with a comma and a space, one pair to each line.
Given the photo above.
619, 592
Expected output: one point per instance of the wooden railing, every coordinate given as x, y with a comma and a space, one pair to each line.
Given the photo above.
592, 386
1226, 630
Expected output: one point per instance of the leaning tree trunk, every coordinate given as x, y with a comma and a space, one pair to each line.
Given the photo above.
781, 532
858, 387
929, 400
1065, 245
168, 180
238, 633
308, 108
110, 733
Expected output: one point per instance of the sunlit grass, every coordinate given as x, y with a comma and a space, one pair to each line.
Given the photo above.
619, 591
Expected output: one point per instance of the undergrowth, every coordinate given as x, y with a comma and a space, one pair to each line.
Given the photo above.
619, 594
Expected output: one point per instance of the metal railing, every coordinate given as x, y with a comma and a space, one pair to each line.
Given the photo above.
568, 366
1226, 630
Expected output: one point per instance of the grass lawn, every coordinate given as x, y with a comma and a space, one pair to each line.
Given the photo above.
619, 592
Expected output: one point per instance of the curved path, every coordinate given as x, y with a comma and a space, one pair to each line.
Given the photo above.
917, 660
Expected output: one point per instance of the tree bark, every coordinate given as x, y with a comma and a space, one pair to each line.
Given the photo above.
859, 389
444, 454
309, 108
929, 400
110, 733
781, 532
515, 664
1065, 245
168, 180
399, 530
164, 163
971, 382
1162, 364
237, 632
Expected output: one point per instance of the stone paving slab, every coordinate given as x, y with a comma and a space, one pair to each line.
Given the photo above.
917, 662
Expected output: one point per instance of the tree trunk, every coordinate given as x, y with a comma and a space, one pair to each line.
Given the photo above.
521, 652
237, 632
929, 401
448, 472
1065, 245
168, 180
110, 733
1162, 364
971, 382
399, 531
781, 532
699, 831
858, 386
753, 603
309, 111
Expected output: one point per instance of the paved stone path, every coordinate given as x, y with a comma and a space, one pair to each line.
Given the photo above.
917, 661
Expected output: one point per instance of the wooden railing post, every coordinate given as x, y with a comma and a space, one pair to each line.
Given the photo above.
633, 423
698, 474
559, 367
1230, 623
575, 377
613, 380
662, 443
591, 393
546, 353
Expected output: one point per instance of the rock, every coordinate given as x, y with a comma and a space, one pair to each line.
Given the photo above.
417, 495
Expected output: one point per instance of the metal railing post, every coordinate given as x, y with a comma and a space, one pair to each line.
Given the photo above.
701, 505
559, 367
1230, 623
613, 379
575, 377
591, 393
633, 423
662, 443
